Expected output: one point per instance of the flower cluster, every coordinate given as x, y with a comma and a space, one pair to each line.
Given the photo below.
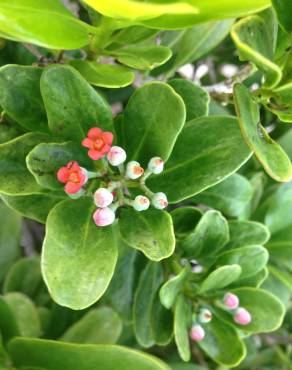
116, 182
230, 302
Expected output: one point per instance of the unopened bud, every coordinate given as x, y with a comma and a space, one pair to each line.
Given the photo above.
205, 316
141, 203
116, 156
156, 165
104, 216
197, 333
134, 170
231, 301
103, 197
242, 316
159, 201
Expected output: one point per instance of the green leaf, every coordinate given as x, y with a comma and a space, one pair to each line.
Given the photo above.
251, 259
161, 322
149, 231
209, 236
220, 278
97, 326
132, 35
149, 282
284, 11
34, 206
253, 281
208, 150
78, 258
266, 310
170, 290
283, 276
8, 324
275, 286
229, 196
10, 227
252, 38
15, 179
62, 356
44, 161
72, 105
104, 75
185, 220
182, 324
196, 99
25, 313
161, 116
280, 102
9, 130
222, 343
47, 24
182, 366
20, 96
244, 233
142, 57
273, 158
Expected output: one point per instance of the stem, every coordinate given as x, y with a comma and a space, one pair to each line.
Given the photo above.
100, 37
34, 51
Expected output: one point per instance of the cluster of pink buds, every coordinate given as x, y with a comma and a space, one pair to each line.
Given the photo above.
197, 332
240, 315
115, 183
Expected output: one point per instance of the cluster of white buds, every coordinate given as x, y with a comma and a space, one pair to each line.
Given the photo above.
197, 332
240, 315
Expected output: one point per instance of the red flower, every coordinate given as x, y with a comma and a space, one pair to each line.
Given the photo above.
98, 142
73, 176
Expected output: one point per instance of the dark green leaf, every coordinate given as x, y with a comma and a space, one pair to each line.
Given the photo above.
220, 278
170, 290
161, 322
185, 220
182, 325
284, 12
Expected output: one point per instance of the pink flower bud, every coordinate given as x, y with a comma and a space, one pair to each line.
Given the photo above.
116, 156
159, 201
103, 197
197, 333
134, 170
242, 316
141, 203
156, 165
231, 301
205, 316
104, 216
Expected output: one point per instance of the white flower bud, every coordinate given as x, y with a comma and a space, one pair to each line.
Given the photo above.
141, 203
104, 217
134, 170
156, 165
159, 200
116, 156
103, 197
205, 316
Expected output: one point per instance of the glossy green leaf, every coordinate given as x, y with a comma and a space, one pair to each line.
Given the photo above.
72, 105
280, 102
15, 179
20, 96
97, 326
149, 282
161, 322
273, 158
266, 310
252, 38
10, 227
43, 23
196, 99
34, 206
244, 233
253, 281
44, 161
149, 231
229, 196
222, 343
285, 141
170, 290
280, 290
104, 75
220, 278
284, 12
185, 220
9, 130
208, 150
54, 355
142, 57
209, 236
182, 324
8, 323
160, 112
182, 366
283, 276
25, 313
132, 35
175, 14
281, 251
251, 259
78, 258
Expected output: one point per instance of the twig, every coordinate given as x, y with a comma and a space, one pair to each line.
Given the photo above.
34, 51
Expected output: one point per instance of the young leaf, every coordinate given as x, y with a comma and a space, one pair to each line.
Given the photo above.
160, 112
273, 158
104, 75
196, 99
185, 220
150, 231
182, 325
78, 258
72, 105
220, 278
20, 96
208, 150
55, 355
280, 102
98, 326
149, 282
